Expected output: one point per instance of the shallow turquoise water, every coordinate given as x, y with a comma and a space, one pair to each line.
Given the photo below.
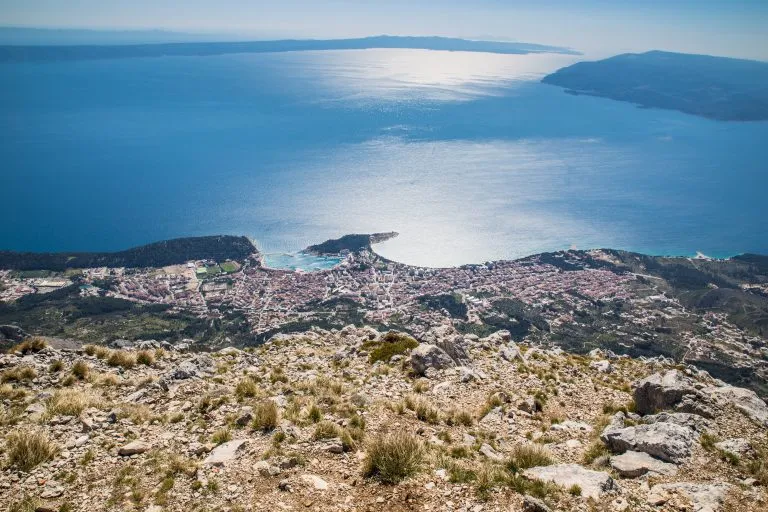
300, 261
467, 156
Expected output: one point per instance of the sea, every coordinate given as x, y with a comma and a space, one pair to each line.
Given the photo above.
466, 155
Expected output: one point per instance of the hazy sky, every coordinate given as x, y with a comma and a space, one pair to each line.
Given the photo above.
723, 27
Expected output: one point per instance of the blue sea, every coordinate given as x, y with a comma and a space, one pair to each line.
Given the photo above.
467, 156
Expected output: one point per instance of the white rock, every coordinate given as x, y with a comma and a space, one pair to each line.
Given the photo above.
633, 464
225, 452
593, 484
315, 481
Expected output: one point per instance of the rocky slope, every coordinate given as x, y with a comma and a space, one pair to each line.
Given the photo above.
355, 419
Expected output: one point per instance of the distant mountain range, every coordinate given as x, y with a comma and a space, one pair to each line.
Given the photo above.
713, 87
21, 53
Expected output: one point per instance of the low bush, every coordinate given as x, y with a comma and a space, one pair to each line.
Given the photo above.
390, 345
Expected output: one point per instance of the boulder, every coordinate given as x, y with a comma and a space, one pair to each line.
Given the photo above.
427, 356
736, 446
452, 343
745, 400
692, 421
703, 497
666, 441
510, 352
224, 453
603, 366
489, 452
662, 391
593, 484
633, 464
12, 333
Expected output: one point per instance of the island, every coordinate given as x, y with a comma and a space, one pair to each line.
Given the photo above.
717, 88
36, 53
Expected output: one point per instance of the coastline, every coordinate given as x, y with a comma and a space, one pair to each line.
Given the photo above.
349, 244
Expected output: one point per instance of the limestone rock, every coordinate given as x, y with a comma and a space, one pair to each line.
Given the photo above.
531, 504
666, 441
224, 453
662, 391
315, 481
592, 483
633, 464
603, 366
736, 446
134, 448
510, 352
745, 400
489, 452
703, 497
427, 356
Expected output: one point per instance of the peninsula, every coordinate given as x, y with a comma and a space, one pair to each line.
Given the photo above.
718, 88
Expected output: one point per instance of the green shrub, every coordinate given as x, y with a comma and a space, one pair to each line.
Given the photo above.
391, 344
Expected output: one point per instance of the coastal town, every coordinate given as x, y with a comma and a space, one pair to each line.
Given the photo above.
571, 299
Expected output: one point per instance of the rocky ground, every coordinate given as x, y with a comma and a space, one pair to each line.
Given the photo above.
360, 420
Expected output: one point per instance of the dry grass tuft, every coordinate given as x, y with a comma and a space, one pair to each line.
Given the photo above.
247, 387
29, 346
330, 430
28, 448
221, 436
145, 357
81, 369
265, 416
527, 456
122, 358
8, 392
393, 458
70, 402
18, 374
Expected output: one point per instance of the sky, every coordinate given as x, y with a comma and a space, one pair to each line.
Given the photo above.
598, 27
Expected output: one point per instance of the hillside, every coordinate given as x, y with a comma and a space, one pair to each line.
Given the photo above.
362, 420
158, 254
714, 87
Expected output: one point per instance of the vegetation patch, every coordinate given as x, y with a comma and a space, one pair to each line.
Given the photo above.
389, 345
